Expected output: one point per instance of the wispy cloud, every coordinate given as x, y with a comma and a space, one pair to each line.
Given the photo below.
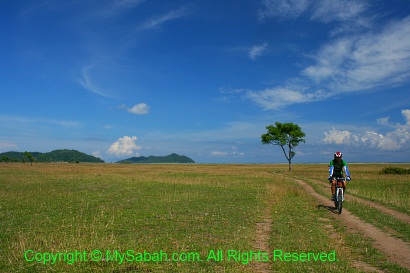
283, 8
329, 10
38, 120
358, 63
116, 7
222, 154
219, 153
159, 20
86, 82
257, 50
278, 97
6, 146
343, 63
138, 109
320, 10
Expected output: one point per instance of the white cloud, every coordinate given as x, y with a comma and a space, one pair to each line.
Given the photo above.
96, 154
337, 137
257, 50
221, 154
330, 10
6, 146
39, 120
283, 8
157, 21
361, 62
406, 115
319, 10
124, 146
88, 84
274, 98
391, 141
218, 153
138, 109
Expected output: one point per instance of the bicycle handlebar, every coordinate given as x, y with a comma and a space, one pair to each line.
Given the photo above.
336, 178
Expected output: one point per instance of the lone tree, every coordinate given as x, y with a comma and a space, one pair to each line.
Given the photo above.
284, 134
30, 157
5, 159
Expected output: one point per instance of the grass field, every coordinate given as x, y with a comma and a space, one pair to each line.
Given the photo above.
181, 218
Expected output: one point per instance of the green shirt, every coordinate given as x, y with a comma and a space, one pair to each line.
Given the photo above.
337, 167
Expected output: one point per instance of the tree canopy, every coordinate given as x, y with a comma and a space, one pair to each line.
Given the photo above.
285, 135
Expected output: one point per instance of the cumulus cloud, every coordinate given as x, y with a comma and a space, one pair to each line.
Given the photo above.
337, 137
391, 141
406, 115
124, 146
138, 109
257, 50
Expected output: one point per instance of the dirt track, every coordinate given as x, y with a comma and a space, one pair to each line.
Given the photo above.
263, 230
395, 249
397, 214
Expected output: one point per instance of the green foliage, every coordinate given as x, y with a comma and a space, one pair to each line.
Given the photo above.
53, 156
5, 159
284, 134
172, 158
29, 156
394, 170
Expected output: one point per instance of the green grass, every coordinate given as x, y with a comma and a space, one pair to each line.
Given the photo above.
154, 208
184, 209
300, 227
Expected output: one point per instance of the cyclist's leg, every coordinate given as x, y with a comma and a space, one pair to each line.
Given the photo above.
344, 186
333, 187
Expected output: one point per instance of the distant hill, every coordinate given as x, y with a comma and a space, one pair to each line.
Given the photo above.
172, 158
53, 156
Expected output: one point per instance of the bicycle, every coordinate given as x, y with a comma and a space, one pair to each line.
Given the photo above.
340, 197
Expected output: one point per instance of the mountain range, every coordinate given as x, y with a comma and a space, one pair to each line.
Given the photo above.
172, 158
53, 156
76, 156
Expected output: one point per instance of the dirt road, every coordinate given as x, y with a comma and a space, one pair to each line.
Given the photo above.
395, 249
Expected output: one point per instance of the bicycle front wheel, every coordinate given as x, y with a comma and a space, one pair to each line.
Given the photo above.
340, 202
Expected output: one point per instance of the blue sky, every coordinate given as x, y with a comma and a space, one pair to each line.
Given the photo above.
126, 78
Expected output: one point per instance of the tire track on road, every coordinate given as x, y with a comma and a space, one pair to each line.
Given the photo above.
397, 214
395, 249
263, 233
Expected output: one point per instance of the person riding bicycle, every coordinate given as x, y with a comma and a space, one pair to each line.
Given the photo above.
336, 168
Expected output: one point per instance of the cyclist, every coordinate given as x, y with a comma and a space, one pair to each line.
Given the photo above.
336, 168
